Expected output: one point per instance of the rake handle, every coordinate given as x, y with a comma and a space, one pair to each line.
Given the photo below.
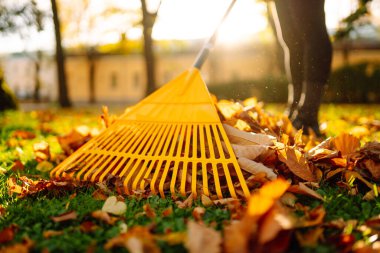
209, 44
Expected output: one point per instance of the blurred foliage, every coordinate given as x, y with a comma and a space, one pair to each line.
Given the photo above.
350, 22
15, 16
356, 83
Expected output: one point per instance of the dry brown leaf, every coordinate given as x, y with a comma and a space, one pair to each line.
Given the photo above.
72, 215
288, 199
103, 216
99, 195
187, 203
256, 168
275, 221
244, 138
353, 174
198, 213
41, 151
249, 151
75, 139
297, 164
149, 212
202, 239
50, 233
113, 206
301, 188
237, 236
373, 167
137, 240
346, 143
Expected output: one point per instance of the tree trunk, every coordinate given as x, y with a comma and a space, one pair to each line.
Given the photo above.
7, 99
91, 65
148, 20
37, 81
63, 97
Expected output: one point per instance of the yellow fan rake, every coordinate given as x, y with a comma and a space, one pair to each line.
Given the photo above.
171, 141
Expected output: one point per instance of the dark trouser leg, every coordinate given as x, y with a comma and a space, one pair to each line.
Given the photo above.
290, 40
308, 24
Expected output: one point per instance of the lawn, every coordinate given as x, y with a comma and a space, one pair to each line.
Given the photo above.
338, 212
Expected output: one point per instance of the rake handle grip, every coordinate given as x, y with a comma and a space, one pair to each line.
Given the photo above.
209, 44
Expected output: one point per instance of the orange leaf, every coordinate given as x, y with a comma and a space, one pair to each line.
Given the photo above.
22, 134
260, 202
297, 164
8, 233
72, 215
168, 211
17, 165
346, 143
103, 216
50, 233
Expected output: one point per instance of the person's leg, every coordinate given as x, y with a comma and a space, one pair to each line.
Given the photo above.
290, 40
310, 20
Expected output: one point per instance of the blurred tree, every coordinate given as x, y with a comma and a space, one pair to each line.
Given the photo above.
148, 20
63, 97
16, 17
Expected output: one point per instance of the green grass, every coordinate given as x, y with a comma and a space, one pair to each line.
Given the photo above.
32, 214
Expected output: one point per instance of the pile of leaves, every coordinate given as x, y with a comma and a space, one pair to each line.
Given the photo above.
294, 180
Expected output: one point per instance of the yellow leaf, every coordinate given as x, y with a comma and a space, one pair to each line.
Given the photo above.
44, 166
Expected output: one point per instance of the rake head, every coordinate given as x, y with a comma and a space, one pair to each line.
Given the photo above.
172, 141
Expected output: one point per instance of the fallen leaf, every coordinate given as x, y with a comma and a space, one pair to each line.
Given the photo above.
72, 215
41, 151
17, 166
23, 134
309, 238
373, 167
113, 206
261, 201
75, 139
8, 233
24, 247
44, 166
312, 218
248, 151
346, 143
149, 212
255, 168
88, 226
301, 188
244, 138
187, 203
198, 213
50, 233
173, 238
99, 195
167, 212
206, 201
137, 240
297, 164
103, 216
202, 239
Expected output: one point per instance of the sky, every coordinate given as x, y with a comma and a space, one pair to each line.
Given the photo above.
177, 19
